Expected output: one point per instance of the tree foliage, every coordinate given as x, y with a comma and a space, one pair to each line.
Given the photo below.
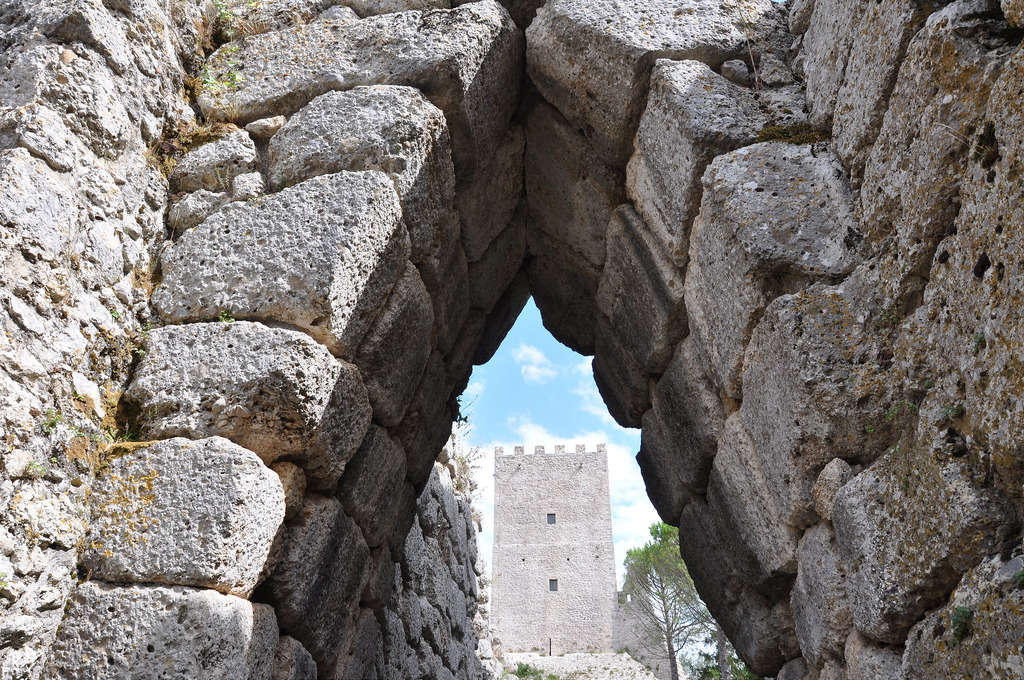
671, 615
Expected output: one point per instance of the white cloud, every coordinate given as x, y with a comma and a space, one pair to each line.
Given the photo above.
535, 367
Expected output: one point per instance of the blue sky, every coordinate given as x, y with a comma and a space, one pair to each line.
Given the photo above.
535, 391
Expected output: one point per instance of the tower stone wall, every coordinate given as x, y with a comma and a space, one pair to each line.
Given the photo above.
553, 525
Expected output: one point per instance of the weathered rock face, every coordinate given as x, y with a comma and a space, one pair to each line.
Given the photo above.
795, 259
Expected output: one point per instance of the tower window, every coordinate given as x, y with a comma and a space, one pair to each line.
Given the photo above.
551, 518
553, 585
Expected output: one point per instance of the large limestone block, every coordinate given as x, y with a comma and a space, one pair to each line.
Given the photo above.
821, 609
391, 129
622, 381
729, 580
490, 276
980, 633
395, 351
867, 660
365, 8
487, 199
428, 422
467, 61
446, 276
680, 434
970, 326
904, 555
930, 138
692, 115
322, 256
315, 587
212, 166
564, 287
774, 218
826, 51
292, 661
571, 191
814, 388
496, 326
747, 492
593, 60
274, 391
877, 51
154, 507
373, 482
155, 632
641, 291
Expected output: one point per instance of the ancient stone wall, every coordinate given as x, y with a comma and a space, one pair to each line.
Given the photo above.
553, 523
789, 234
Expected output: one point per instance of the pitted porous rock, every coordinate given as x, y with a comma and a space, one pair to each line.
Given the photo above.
322, 255
826, 50
680, 434
593, 59
774, 218
748, 495
396, 348
904, 558
831, 479
821, 608
366, 8
292, 661
276, 392
373, 481
214, 165
487, 199
391, 129
465, 60
153, 506
192, 209
868, 660
692, 115
154, 632
641, 291
315, 588
623, 382
492, 273
571, 192
875, 59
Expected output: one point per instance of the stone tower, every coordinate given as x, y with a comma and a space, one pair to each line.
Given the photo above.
553, 589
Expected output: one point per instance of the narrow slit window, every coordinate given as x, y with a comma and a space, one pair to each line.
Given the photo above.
551, 518
553, 585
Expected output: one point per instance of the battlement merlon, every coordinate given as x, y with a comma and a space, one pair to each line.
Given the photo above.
560, 449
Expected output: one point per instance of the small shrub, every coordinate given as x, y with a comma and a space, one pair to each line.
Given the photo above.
961, 620
1018, 579
51, 421
225, 316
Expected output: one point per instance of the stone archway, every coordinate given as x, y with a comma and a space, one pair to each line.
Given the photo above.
784, 317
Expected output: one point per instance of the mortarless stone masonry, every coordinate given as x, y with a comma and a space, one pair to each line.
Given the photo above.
553, 524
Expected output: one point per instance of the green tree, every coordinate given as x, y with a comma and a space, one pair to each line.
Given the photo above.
670, 614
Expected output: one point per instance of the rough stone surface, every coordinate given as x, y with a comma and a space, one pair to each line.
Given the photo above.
271, 390
774, 217
903, 559
980, 628
315, 588
826, 51
571, 192
821, 608
391, 129
692, 115
394, 352
139, 533
680, 434
192, 209
212, 166
278, 260
569, 38
375, 477
465, 60
488, 199
641, 291
831, 479
866, 659
176, 632
292, 661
